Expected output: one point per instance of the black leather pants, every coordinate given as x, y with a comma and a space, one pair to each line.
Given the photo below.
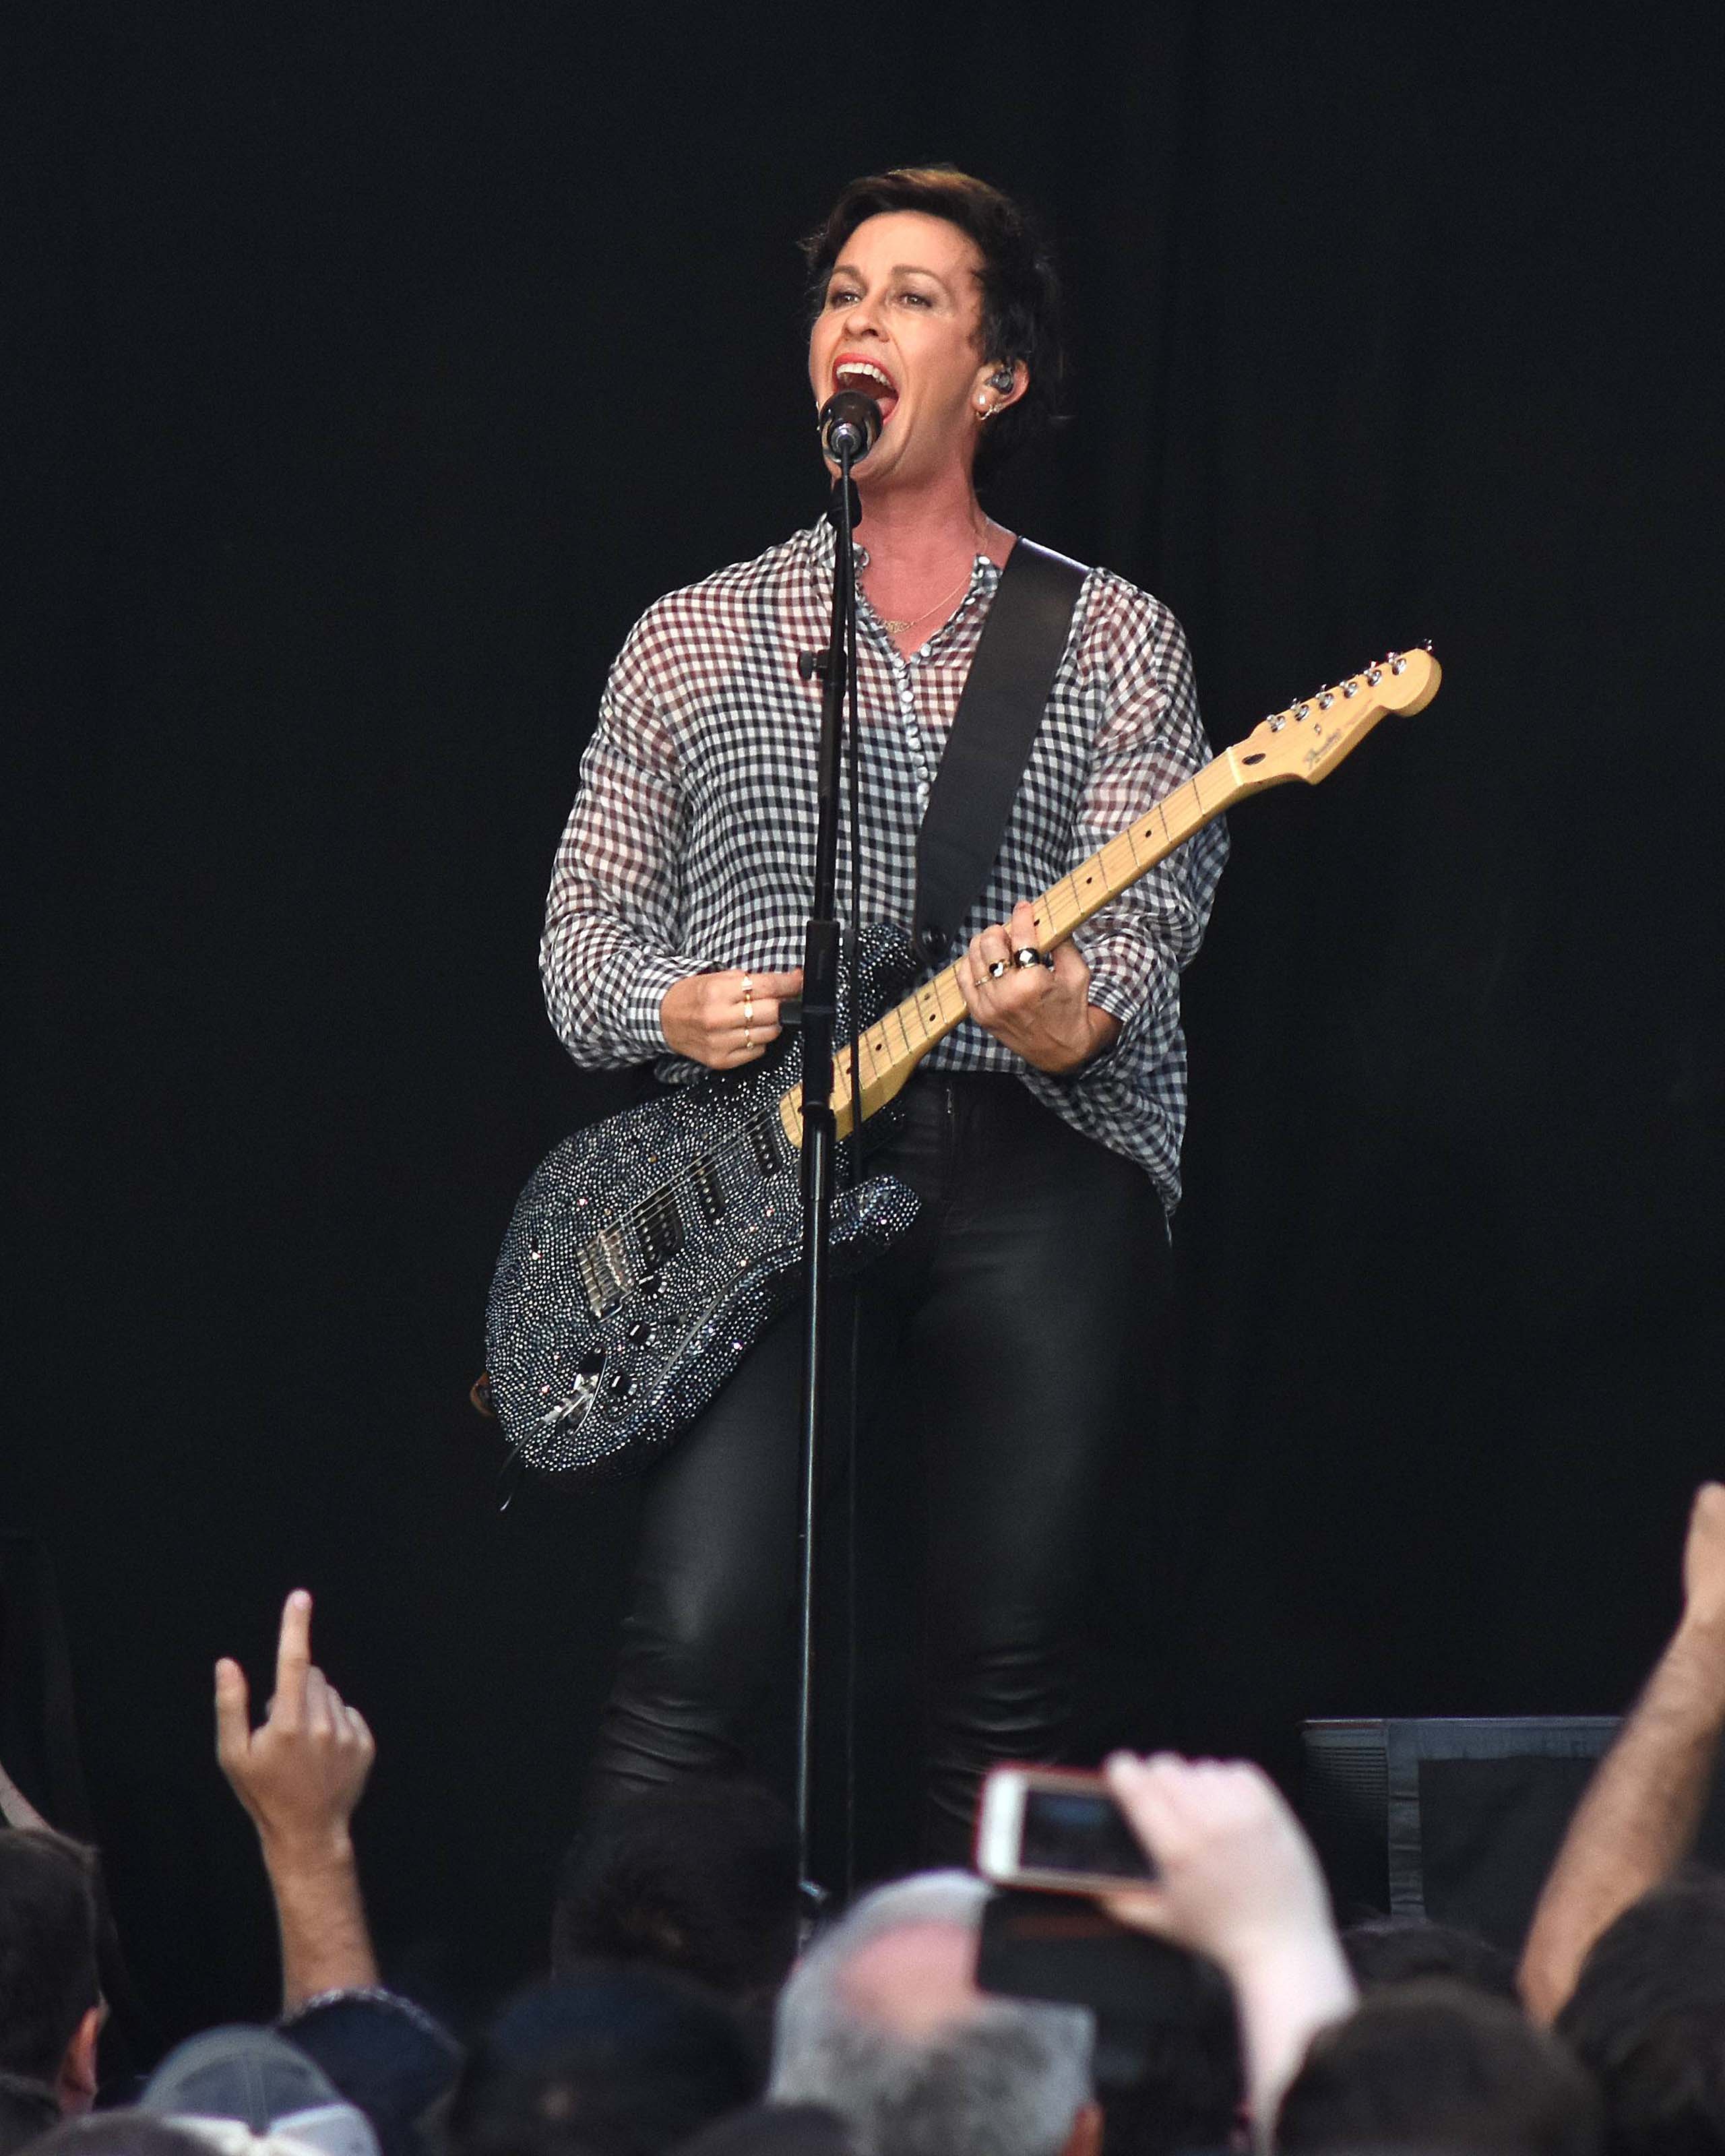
1002, 1349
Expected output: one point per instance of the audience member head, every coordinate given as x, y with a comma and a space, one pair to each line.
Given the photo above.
1188, 2090
1437, 2065
383, 2053
50, 1991
1402, 1950
239, 2089
28, 2108
1647, 2016
120, 2134
602, 2061
882, 2022
772, 2129
700, 1876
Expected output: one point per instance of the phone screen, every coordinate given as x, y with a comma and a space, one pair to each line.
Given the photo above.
1079, 1830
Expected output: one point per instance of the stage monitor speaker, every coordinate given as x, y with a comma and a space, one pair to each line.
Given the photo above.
1454, 1820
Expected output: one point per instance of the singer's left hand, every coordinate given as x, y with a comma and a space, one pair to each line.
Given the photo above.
1045, 1016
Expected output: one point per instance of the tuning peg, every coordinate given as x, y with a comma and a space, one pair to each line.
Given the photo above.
1303, 711
1374, 674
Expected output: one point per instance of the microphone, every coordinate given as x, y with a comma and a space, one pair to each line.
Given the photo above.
850, 425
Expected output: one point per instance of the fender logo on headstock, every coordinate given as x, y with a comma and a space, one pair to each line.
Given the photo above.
1306, 739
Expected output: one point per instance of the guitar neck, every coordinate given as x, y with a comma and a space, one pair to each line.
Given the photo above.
888, 1051
1305, 741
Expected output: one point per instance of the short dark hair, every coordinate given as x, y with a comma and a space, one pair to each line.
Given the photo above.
127, 2133
700, 1877
1186, 2085
603, 2062
1647, 2016
28, 2108
1436, 2065
49, 1975
1020, 291
1402, 1949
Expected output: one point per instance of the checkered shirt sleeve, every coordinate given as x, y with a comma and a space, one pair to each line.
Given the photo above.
689, 844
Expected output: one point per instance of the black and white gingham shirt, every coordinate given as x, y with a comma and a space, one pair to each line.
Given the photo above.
690, 844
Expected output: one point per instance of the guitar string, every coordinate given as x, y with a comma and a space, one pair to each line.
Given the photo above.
765, 1120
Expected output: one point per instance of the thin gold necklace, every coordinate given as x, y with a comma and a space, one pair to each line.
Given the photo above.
898, 627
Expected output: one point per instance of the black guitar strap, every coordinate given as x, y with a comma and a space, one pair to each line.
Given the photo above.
989, 745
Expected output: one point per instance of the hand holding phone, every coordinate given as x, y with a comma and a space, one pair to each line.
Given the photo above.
1236, 1871
1055, 1829
1238, 1881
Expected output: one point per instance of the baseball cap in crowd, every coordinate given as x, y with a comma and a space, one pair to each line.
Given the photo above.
248, 2090
383, 2053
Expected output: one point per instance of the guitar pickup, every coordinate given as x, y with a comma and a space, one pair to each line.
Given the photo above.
659, 1232
709, 1192
766, 1145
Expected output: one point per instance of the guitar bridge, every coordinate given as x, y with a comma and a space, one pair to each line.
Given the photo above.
606, 1275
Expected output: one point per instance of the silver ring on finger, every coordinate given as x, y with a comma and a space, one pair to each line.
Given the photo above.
997, 967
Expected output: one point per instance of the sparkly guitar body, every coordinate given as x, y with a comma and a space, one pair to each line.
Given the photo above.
648, 1252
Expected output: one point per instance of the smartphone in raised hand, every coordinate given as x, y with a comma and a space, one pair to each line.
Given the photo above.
1057, 1829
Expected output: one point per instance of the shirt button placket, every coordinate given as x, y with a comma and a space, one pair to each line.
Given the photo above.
911, 728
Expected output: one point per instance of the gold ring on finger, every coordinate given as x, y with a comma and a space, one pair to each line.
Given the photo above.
749, 1010
749, 1039
997, 967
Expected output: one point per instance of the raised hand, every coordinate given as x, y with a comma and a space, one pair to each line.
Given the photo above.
1238, 1881
725, 1020
1235, 1871
1704, 1562
302, 1772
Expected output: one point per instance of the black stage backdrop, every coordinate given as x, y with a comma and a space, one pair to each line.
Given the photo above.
371, 368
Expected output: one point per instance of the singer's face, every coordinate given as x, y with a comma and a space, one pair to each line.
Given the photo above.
904, 301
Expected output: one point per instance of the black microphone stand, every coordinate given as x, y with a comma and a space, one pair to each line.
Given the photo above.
819, 1010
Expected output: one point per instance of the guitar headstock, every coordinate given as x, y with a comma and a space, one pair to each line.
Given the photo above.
1310, 738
